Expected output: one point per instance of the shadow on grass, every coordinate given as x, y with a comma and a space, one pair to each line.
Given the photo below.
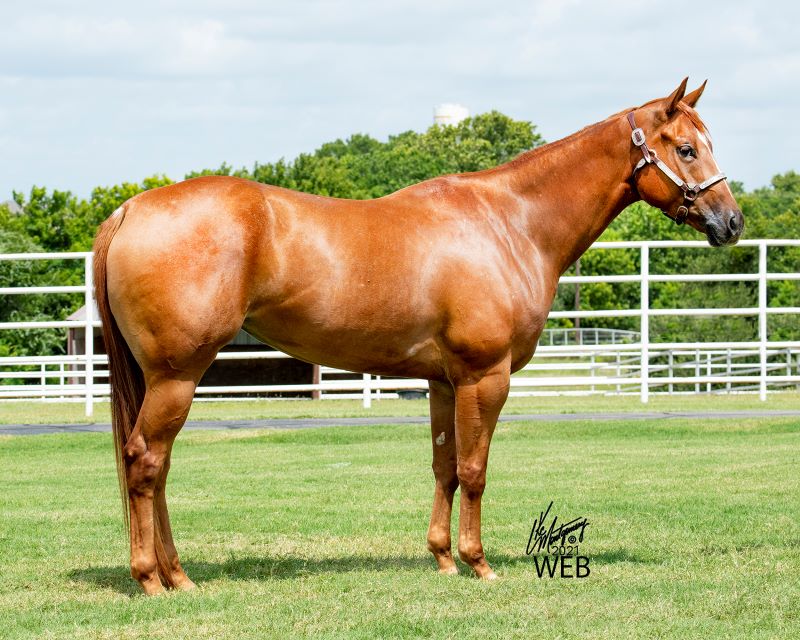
289, 567
254, 568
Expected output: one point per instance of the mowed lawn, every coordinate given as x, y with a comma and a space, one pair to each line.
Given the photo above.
694, 532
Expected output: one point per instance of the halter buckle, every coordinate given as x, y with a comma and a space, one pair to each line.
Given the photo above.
691, 194
680, 214
637, 135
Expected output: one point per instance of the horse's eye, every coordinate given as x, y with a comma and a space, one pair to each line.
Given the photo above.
686, 151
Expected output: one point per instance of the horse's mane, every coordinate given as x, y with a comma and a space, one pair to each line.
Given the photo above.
527, 155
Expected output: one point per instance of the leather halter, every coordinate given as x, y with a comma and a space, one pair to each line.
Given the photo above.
690, 191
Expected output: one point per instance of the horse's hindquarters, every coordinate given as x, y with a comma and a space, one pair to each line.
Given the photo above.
176, 282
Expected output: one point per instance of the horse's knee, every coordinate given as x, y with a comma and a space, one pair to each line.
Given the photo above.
472, 477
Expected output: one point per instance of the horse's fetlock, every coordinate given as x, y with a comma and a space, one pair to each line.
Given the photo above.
143, 571
471, 554
439, 542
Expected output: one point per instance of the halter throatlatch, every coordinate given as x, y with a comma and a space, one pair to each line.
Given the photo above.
690, 191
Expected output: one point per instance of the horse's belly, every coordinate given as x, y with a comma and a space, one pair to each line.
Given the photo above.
385, 345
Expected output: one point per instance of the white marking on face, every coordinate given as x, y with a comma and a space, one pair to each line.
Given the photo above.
440, 439
706, 140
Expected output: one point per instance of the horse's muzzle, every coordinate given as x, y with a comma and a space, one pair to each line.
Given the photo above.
724, 228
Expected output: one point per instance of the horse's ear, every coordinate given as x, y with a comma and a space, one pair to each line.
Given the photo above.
692, 98
671, 101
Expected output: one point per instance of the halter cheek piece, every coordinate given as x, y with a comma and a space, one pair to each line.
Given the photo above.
690, 192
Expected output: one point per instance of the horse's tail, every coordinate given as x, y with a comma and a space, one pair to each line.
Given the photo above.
125, 375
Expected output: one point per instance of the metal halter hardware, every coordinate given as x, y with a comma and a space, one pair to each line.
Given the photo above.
690, 191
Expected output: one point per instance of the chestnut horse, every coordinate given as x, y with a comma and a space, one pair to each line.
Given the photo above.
450, 280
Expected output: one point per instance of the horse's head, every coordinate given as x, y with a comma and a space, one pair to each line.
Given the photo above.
675, 167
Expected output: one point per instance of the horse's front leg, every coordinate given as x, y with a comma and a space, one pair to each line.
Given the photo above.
478, 405
443, 428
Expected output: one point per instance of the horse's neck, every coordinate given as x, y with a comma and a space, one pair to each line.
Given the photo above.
572, 189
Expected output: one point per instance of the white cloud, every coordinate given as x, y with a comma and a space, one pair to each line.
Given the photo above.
204, 48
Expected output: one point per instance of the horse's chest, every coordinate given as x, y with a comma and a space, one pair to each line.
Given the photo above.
531, 309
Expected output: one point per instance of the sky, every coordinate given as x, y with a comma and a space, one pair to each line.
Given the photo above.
99, 92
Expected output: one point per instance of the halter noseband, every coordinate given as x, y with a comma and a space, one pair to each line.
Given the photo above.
690, 192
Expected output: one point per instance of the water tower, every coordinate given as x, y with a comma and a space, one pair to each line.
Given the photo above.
450, 113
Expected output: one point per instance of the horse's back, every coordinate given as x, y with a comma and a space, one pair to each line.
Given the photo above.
379, 285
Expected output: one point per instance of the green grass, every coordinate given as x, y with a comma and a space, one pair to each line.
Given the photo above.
694, 532
65, 412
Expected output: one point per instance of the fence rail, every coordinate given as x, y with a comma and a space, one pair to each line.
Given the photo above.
608, 360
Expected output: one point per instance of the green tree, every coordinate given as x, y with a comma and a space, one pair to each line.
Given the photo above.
362, 167
45, 217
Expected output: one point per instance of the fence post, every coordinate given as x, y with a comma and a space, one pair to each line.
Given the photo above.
697, 370
671, 364
367, 391
89, 326
762, 317
645, 322
728, 371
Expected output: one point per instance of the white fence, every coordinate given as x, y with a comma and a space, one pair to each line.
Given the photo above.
617, 362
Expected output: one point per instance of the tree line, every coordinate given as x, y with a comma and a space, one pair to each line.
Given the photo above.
362, 167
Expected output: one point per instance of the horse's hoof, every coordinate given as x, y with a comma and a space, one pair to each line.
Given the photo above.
449, 571
185, 585
489, 576
153, 588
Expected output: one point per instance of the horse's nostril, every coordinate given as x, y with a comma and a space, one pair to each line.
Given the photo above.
733, 224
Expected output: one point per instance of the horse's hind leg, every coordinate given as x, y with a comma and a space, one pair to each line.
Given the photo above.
169, 566
164, 410
444, 470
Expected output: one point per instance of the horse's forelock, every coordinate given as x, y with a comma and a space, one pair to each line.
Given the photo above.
694, 118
